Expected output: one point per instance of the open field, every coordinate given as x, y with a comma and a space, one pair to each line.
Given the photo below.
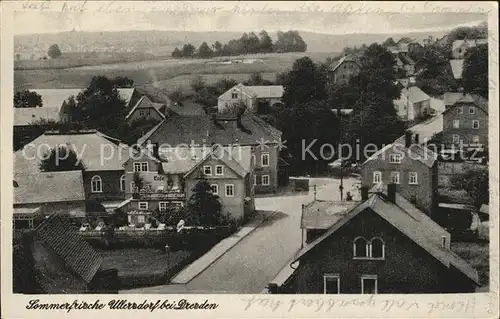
160, 74
78, 59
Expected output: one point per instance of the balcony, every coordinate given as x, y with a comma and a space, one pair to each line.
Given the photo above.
159, 195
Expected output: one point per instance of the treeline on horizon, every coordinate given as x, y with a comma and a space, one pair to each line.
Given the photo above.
248, 43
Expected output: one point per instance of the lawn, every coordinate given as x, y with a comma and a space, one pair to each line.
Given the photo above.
153, 73
140, 267
477, 255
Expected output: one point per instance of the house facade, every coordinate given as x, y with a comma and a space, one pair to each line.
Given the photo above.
101, 155
251, 96
368, 249
54, 259
413, 103
345, 69
411, 167
145, 109
248, 132
465, 119
49, 193
169, 177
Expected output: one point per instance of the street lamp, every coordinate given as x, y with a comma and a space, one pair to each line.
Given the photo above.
167, 251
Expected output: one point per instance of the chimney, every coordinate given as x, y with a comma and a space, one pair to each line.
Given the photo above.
155, 151
364, 192
391, 192
416, 139
407, 139
443, 241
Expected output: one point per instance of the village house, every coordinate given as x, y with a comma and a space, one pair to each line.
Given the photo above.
368, 248
465, 119
459, 47
54, 259
255, 98
145, 109
411, 167
404, 64
345, 69
101, 155
206, 130
457, 66
55, 109
41, 194
413, 103
169, 175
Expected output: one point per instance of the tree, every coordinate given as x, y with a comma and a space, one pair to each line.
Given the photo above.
188, 50
217, 48
122, 82
61, 159
119, 218
436, 76
290, 41
389, 42
197, 83
371, 95
99, 106
475, 71
176, 96
257, 79
265, 42
475, 183
204, 51
138, 181
27, 98
204, 207
177, 53
54, 52
172, 215
305, 82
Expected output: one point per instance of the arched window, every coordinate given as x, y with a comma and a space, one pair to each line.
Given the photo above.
122, 183
96, 184
360, 247
377, 248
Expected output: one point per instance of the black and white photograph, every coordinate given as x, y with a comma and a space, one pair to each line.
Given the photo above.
198, 148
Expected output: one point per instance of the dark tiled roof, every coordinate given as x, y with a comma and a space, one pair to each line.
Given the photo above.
415, 226
202, 130
347, 58
187, 108
417, 152
452, 99
76, 253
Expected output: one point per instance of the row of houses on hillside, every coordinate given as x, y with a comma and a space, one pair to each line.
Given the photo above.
238, 156
458, 53
55, 108
255, 98
364, 246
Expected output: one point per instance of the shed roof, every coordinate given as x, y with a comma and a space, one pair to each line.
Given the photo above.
77, 254
97, 151
50, 187
26, 115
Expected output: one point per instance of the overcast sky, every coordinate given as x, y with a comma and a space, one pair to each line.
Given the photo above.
331, 23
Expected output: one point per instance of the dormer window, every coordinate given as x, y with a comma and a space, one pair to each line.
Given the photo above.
368, 249
395, 158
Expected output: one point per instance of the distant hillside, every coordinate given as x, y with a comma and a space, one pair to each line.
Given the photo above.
163, 42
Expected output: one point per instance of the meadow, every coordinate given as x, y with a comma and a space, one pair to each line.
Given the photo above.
164, 75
